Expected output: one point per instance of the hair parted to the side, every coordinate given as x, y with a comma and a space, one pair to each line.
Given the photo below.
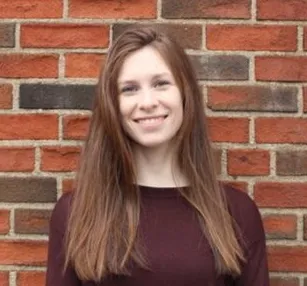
102, 229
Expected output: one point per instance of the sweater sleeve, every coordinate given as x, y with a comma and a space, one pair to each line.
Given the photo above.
55, 275
255, 270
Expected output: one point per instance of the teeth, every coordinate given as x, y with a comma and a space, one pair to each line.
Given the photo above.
149, 120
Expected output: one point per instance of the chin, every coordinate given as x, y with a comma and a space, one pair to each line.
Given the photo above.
154, 143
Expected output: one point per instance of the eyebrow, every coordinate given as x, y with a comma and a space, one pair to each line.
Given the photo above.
154, 76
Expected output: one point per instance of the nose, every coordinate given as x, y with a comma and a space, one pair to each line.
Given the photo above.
148, 99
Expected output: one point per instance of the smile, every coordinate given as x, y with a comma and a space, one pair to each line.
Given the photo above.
151, 119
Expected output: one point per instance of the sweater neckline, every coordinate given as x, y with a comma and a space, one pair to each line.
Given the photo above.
160, 192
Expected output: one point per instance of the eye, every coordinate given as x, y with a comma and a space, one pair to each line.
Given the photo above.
161, 83
129, 89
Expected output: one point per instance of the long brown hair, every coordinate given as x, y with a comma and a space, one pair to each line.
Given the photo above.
102, 229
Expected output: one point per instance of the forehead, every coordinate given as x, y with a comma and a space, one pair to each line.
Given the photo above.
144, 62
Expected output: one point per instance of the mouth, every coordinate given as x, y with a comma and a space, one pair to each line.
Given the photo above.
152, 119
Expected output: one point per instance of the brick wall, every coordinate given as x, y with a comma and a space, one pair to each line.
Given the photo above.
251, 60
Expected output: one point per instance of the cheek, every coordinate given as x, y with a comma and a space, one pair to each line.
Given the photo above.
126, 107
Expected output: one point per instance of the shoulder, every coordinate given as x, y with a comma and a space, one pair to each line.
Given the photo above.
246, 214
60, 213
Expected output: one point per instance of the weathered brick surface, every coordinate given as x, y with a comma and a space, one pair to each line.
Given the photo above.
28, 126
218, 160
17, 159
31, 9
181, 9
33, 278
253, 98
68, 185
283, 195
224, 129
281, 130
280, 226
305, 99
4, 223
75, 127
305, 227
7, 35
28, 66
246, 162
4, 278
287, 258
222, 67
6, 98
52, 96
189, 36
32, 221
282, 10
136, 9
28, 190
291, 163
64, 36
60, 159
305, 39
279, 68
23, 252
239, 185
83, 65
251, 38
281, 281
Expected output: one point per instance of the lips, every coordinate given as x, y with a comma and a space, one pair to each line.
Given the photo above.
151, 119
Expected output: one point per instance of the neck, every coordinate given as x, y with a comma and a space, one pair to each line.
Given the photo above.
158, 167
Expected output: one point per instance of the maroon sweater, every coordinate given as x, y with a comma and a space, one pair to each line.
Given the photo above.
178, 253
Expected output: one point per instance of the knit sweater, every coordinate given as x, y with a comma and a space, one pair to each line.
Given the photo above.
176, 249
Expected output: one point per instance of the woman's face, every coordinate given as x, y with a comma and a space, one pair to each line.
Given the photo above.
149, 99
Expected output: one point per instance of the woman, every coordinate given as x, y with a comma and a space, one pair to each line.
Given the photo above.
148, 209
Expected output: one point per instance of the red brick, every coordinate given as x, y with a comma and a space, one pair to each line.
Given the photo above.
280, 226
281, 130
23, 252
305, 98
32, 221
75, 126
253, 98
251, 38
60, 159
278, 68
282, 10
17, 159
28, 66
248, 162
287, 258
64, 36
83, 65
305, 227
217, 153
68, 185
31, 9
6, 97
137, 9
239, 185
4, 278
291, 162
283, 195
205, 9
4, 223
33, 278
305, 38
224, 129
28, 126
284, 281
